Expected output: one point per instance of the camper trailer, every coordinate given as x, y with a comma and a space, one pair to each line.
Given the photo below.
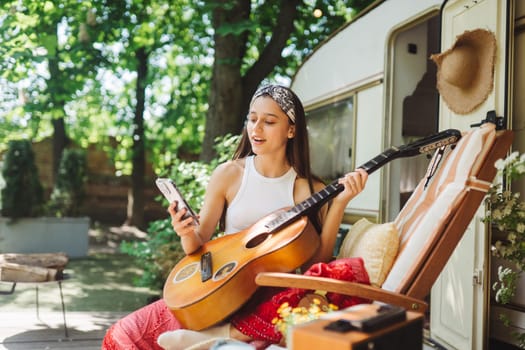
373, 85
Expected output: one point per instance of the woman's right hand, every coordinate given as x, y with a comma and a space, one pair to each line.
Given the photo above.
182, 227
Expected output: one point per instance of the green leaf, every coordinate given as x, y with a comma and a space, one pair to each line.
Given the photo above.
49, 42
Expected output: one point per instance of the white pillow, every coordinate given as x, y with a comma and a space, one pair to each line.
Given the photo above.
377, 244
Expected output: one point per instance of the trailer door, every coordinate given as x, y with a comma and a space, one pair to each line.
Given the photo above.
459, 299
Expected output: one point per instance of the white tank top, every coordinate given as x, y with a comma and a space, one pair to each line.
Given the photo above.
258, 196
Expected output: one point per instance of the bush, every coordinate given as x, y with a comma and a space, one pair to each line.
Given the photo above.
155, 255
68, 192
23, 194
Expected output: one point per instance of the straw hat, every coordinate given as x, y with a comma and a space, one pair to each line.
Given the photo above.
465, 72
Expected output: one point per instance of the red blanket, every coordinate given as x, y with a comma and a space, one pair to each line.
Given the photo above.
255, 318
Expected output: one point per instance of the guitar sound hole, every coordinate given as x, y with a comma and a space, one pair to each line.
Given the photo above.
255, 241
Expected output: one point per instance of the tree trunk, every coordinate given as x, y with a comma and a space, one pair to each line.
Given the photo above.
224, 102
56, 96
51, 260
11, 272
231, 92
135, 213
60, 141
39, 267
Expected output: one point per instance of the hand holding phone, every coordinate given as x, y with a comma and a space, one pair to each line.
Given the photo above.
172, 194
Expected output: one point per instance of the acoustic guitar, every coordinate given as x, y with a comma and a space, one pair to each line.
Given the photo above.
207, 286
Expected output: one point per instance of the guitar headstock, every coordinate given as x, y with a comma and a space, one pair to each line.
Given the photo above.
431, 143
424, 145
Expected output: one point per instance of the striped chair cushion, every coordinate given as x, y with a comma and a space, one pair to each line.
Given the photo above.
425, 214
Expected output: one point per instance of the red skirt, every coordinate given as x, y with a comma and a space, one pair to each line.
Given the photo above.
140, 329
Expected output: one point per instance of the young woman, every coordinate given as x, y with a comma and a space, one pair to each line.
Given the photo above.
269, 171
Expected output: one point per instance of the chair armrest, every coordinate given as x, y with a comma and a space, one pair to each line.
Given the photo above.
290, 280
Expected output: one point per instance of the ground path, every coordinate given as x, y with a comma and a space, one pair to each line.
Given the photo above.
99, 291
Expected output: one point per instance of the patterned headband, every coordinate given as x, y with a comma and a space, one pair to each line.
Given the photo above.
281, 95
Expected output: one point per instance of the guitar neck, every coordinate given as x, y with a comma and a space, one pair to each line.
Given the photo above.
380, 160
318, 199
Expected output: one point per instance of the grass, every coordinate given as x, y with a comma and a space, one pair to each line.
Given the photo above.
101, 282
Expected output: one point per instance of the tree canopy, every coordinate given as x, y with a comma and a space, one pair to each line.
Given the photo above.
162, 78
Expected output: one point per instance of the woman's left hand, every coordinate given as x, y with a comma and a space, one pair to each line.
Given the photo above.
354, 183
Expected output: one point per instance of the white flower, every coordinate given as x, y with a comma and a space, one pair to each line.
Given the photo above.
507, 210
496, 214
499, 164
512, 157
502, 271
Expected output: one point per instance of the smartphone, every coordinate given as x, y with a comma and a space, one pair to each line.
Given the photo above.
172, 193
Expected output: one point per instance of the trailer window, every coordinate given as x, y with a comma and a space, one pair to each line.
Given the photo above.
330, 131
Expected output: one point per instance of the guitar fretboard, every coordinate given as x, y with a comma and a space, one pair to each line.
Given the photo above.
380, 160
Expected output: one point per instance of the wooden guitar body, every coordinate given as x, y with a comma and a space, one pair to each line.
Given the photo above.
236, 260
